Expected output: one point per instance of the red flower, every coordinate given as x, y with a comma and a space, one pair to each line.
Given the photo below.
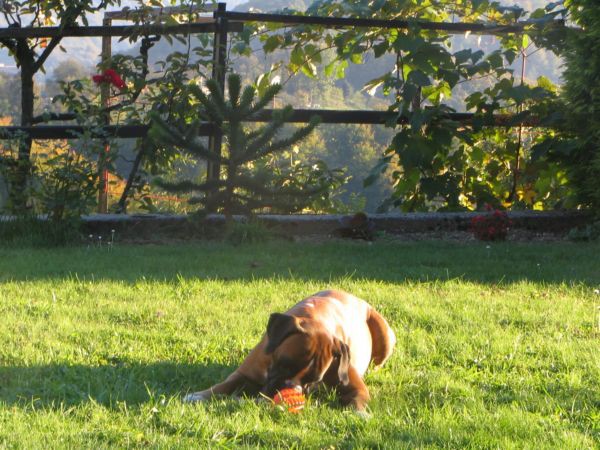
492, 226
110, 76
115, 79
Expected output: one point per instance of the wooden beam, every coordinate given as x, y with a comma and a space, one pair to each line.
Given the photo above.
367, 117
158, 13
345, 22
299, 116
115, 31
58, 132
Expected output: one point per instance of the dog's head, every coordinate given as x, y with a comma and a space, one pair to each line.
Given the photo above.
302, 353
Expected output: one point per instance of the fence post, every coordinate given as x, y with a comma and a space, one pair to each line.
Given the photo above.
105, 102
215, 140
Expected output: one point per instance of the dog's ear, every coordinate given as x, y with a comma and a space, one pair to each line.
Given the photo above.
342, 353
281, 326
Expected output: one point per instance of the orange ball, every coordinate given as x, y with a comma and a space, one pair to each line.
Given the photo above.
292, 398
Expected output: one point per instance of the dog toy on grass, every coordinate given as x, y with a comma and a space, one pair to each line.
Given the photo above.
290, 397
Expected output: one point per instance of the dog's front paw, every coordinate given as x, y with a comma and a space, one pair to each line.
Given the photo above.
363, 414
195, 397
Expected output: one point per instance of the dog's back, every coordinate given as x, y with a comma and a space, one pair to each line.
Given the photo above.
354, 322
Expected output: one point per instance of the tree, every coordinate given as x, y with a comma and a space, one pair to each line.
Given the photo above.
355, 149
582, 101
250, 182
69, 70
10, 96
30, 56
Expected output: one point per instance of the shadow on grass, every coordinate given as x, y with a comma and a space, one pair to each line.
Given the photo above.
51, 385
391, 261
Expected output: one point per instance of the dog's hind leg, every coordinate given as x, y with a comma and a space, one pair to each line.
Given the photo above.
382, 336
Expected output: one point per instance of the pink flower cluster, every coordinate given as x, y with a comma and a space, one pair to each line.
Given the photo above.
110, 76
492, 226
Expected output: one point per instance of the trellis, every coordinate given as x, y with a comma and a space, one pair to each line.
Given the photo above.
220, 25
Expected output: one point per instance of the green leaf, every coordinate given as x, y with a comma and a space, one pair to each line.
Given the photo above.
463, 56
477, 154
546, 84
510, 55
408, 43
241, 48
297, 56
380, 49
356, 58
371, 86
330, 68
452, 77
341, 69
309, 69
436, 94
496, 60
408, 181
419, 78
541, 150
477, 56
433, 186
409, 92
555, 146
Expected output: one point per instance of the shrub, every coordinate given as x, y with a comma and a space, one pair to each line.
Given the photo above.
238, 233
590, 232
358, 226
29, 231
492, 226
582, 98
68, 185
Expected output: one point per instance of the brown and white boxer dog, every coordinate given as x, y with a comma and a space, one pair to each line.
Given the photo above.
330, 337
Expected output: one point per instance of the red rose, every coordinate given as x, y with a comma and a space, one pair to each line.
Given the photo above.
114, 78
110, 76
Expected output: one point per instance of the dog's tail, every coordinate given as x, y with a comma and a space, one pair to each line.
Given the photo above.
382, 336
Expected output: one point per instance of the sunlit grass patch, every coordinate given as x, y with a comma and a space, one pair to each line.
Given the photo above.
497, 347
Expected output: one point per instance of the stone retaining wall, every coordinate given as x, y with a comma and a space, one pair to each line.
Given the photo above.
148, 225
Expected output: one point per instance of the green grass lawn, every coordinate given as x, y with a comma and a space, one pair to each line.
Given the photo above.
498, 345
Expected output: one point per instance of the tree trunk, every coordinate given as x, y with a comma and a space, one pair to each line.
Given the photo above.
19, 193
229, 188
122, 205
